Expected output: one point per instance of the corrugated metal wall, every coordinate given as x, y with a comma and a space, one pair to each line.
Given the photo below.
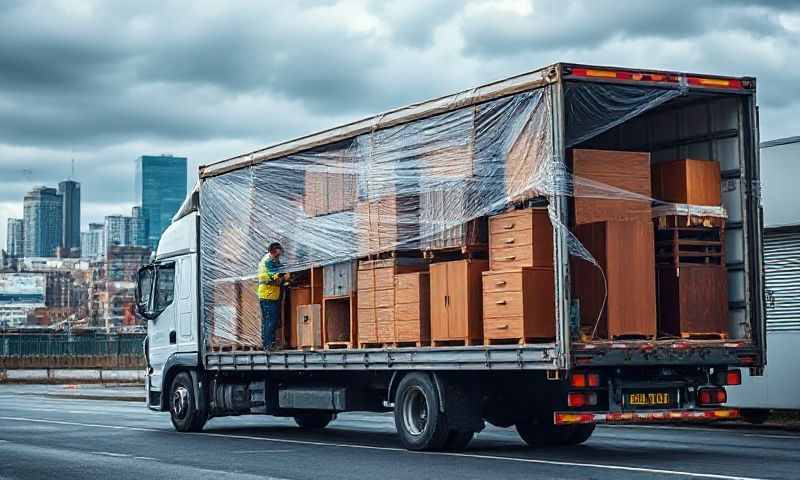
782, 280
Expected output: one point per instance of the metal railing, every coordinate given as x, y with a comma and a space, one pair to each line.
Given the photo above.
65, 345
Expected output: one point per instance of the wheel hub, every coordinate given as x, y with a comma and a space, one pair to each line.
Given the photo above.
415, 411
180, 401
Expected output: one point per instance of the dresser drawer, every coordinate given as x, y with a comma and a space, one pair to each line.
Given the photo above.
502, 304
504, 258
502, 281
506, 327
511, 222
513, 238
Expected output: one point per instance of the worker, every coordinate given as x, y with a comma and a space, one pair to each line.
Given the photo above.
270, 281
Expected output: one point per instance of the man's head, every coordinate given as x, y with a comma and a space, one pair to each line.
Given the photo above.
275, 250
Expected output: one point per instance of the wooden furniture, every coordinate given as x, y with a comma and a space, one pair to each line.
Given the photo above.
296, 297
595, 170
339, 278
526, 163
624, 251
439, 209
456, 302
693, 300
412, 308
236, 316
689, 240
339, 321
376, 298
520, 238
519, 305
387, 223
696, 182
330, 188
309, 326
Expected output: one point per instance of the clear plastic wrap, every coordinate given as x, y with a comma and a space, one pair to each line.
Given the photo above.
422, 185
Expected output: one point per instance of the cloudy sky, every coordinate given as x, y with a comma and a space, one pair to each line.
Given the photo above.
104, 82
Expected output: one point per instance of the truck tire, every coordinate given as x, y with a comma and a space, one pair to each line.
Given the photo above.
313, 421
458, 440
182, 407
540, 432
580, 433
417, 414
756, 416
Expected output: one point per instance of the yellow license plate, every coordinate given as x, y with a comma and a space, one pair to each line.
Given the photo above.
650, 399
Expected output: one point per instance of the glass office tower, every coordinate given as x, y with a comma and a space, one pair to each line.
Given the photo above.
160, 191
43, 218
70, 192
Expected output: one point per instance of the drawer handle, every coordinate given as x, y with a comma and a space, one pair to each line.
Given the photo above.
510, 257
509, 241
502, 327
508, 226
500, 283
500, 302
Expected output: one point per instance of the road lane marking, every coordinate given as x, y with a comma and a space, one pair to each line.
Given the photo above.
402, 450
764, 435
111, 454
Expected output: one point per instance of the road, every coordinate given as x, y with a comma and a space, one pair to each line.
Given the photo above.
45, 437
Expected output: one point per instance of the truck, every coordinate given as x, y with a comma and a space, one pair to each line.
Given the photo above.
505, 144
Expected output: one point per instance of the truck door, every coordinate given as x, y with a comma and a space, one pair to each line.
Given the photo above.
186, 301
161, 326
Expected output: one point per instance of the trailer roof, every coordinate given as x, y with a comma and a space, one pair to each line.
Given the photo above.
473, 96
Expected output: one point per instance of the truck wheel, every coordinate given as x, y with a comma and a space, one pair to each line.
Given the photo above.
185, 416
579, 433
542, 434
313, 421
458, 440
417, 416
756, 416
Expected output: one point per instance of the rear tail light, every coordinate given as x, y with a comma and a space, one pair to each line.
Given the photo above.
733, 377
583, 380
711, 396
581, 399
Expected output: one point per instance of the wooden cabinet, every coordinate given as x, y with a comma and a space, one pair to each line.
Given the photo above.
387, 223
309, 326
519, 305
376, 297
596, 170
521, 238
339, 278
625, 253
696, 182
693, 300
456, 303
297, 296
412, 308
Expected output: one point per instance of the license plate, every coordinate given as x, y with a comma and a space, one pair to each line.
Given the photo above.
651, 399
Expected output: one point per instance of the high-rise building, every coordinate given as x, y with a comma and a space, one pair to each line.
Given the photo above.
117, 230
70, 192
138, 227
160, 190
43, 217
93, 242
15, 238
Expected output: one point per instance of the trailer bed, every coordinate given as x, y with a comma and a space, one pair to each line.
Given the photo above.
495, 357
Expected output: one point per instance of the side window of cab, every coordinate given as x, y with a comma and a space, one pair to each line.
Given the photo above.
165, 287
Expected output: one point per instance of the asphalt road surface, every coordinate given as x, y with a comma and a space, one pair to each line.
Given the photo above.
47, 438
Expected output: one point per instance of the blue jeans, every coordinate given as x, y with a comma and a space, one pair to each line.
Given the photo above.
270, 317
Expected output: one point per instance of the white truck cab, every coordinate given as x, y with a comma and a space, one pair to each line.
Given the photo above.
168, 299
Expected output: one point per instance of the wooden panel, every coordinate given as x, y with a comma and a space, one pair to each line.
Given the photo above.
367, 331
384, 278
384, 318
629, 171
692, 299
366, 279
524, 163
407, 281
690, 181
309, 328
338, 278
297, 296
384, 298
502, 304
366, 298
438, 279
625, 251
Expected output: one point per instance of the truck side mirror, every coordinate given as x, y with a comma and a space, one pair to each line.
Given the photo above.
144, 291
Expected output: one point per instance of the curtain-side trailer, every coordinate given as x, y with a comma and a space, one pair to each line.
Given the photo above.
554, 391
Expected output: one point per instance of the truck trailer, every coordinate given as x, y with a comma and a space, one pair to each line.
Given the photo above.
613, 330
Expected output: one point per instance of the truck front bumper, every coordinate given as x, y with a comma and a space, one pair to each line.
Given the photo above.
646, 416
